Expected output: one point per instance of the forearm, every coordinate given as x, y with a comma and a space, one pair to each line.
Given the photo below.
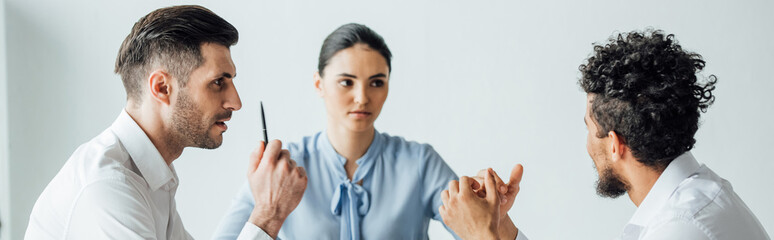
507, 230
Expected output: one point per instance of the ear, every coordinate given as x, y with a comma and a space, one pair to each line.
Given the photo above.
617, 146
160, 86
318, 84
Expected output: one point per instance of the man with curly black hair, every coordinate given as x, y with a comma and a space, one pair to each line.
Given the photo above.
644, 102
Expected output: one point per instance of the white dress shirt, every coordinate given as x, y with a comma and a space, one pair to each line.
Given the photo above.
116, 186
690, 202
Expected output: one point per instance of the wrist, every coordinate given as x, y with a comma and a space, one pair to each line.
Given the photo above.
269, 223
507, 230
493, 235
493, 231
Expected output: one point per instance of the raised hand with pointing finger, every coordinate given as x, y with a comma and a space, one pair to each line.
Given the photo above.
507, 191
477, 207
471, 216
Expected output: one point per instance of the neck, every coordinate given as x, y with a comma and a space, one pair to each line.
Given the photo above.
641, 179
350, 144
151, 122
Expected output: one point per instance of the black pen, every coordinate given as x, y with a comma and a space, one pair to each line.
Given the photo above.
263, 120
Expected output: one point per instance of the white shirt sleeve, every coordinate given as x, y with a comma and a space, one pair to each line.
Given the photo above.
233, 222
252, 232
675, 230
113, 210
110, 209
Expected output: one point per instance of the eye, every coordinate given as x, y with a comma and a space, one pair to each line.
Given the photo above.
377, 83
345, 82
218, 82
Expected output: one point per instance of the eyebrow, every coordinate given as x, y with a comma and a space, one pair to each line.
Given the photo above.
227, 75
378, 75
347, 75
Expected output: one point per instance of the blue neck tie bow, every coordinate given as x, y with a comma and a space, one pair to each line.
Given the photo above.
351, 202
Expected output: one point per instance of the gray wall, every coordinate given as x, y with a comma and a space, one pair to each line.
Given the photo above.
5, 206
487, 83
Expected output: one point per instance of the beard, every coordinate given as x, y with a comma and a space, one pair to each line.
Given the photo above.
189, 127
610, 184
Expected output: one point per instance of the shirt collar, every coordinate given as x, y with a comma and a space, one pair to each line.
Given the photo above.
365, 163
677, 171
146, 157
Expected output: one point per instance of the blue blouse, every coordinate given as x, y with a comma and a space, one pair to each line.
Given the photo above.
400, 192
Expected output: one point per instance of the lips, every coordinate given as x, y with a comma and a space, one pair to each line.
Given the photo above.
222, 118
222, 123
360, 114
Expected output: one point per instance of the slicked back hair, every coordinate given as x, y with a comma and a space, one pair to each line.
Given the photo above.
347, 36
169, 38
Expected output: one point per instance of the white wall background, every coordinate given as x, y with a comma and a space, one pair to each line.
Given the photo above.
488, 83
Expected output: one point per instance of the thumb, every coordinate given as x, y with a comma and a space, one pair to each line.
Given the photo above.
492, 195
255, 158
516, 174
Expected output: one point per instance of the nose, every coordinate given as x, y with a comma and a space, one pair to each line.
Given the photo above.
361, 95
232, 102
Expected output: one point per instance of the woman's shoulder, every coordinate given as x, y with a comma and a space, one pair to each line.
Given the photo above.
403, 148
415, 155
303, 148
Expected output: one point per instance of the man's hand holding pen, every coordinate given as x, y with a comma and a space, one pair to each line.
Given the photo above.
277, 184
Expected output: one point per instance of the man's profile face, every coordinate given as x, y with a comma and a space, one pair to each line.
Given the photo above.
609, 184
205, 103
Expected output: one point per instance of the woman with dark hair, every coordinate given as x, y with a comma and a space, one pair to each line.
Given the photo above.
362, 183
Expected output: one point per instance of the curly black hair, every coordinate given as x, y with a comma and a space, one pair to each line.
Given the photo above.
645, 89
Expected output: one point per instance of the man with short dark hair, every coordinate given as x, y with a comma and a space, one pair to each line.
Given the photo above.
643, 108
178, 74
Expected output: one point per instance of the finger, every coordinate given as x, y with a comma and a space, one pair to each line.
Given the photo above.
272, 152
276, 142
445, 197
500, 184
479, 190
474, 184
284, 153
481, 193
454, 187
292, 163
301, 171
482, 174
284, 160
466, 181
255, 158
302, 174
516, 174
479, 182
490, 186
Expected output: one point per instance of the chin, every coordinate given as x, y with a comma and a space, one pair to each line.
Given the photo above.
361, 127
216, 140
